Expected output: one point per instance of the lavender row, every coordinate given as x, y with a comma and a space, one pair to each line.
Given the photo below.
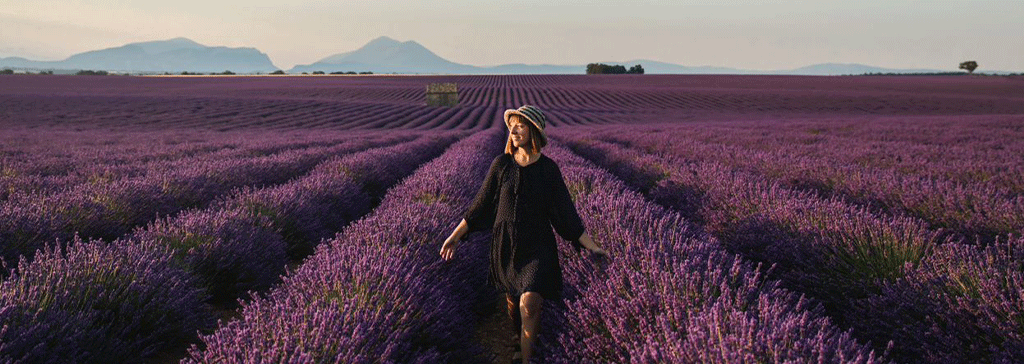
377, 292
243, 242
962, 304
843, 255
54, 152
671, 293
108, 211
831, 168
26, 171
63, 305
99, 302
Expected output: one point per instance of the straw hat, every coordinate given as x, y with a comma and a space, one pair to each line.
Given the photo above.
531, 113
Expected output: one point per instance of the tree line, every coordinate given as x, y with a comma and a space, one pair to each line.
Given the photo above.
601, 68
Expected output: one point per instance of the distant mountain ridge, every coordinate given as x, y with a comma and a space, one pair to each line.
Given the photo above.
380, 55
386, 55
172, 55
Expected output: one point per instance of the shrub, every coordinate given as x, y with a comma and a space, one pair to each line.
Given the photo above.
98, 302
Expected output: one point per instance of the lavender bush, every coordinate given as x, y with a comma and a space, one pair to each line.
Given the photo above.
98, 302
110, 210
377, 291
970, 187
672, 294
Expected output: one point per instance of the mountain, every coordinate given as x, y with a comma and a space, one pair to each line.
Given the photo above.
380, 55
172, 55
662, 67
386, 55
827, 69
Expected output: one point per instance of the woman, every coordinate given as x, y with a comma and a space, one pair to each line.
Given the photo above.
522, 197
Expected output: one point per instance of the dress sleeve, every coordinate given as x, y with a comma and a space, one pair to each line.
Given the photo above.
480, 215
563, 213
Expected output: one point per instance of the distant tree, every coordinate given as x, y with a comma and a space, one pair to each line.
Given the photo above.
318, 72
338, 73
638, 69
227, 72
970, 66
305, 73
6, 71
278, 72
366, 73
350, 72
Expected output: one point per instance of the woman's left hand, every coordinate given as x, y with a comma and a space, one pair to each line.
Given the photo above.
589, 243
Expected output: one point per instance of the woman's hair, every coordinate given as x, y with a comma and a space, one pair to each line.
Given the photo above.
536, 140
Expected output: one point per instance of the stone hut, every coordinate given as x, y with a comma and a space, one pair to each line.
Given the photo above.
442, 94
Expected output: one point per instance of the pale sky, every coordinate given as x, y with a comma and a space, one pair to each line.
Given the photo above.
759, 35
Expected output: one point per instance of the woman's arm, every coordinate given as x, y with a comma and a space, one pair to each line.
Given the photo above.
480, 213
448, 249
589, 243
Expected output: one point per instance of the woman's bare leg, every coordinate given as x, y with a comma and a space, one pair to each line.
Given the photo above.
529, 307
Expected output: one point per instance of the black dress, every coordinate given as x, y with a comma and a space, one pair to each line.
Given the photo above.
521, 204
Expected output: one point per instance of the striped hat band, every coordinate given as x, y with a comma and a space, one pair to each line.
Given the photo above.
531, 113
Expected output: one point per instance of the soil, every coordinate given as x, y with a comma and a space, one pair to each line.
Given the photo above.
494, 333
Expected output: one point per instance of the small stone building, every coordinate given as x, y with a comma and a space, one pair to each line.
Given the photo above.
442, 94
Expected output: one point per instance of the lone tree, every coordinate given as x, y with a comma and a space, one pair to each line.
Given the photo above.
969, 66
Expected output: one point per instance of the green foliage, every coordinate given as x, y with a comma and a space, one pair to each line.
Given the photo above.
430, 198
278, 72
90, 73
6, 71
601, 68
318, 72
970, 66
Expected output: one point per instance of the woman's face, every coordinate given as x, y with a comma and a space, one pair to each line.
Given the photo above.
520, 132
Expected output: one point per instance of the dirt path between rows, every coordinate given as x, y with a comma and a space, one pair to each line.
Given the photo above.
494, 331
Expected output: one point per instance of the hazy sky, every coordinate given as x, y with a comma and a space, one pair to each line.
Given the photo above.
743, 34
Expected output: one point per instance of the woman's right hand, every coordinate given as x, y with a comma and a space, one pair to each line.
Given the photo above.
448, 249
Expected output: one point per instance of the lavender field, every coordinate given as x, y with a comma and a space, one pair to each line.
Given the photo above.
751, 219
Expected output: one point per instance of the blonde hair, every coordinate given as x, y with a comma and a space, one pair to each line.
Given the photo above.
536, 140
